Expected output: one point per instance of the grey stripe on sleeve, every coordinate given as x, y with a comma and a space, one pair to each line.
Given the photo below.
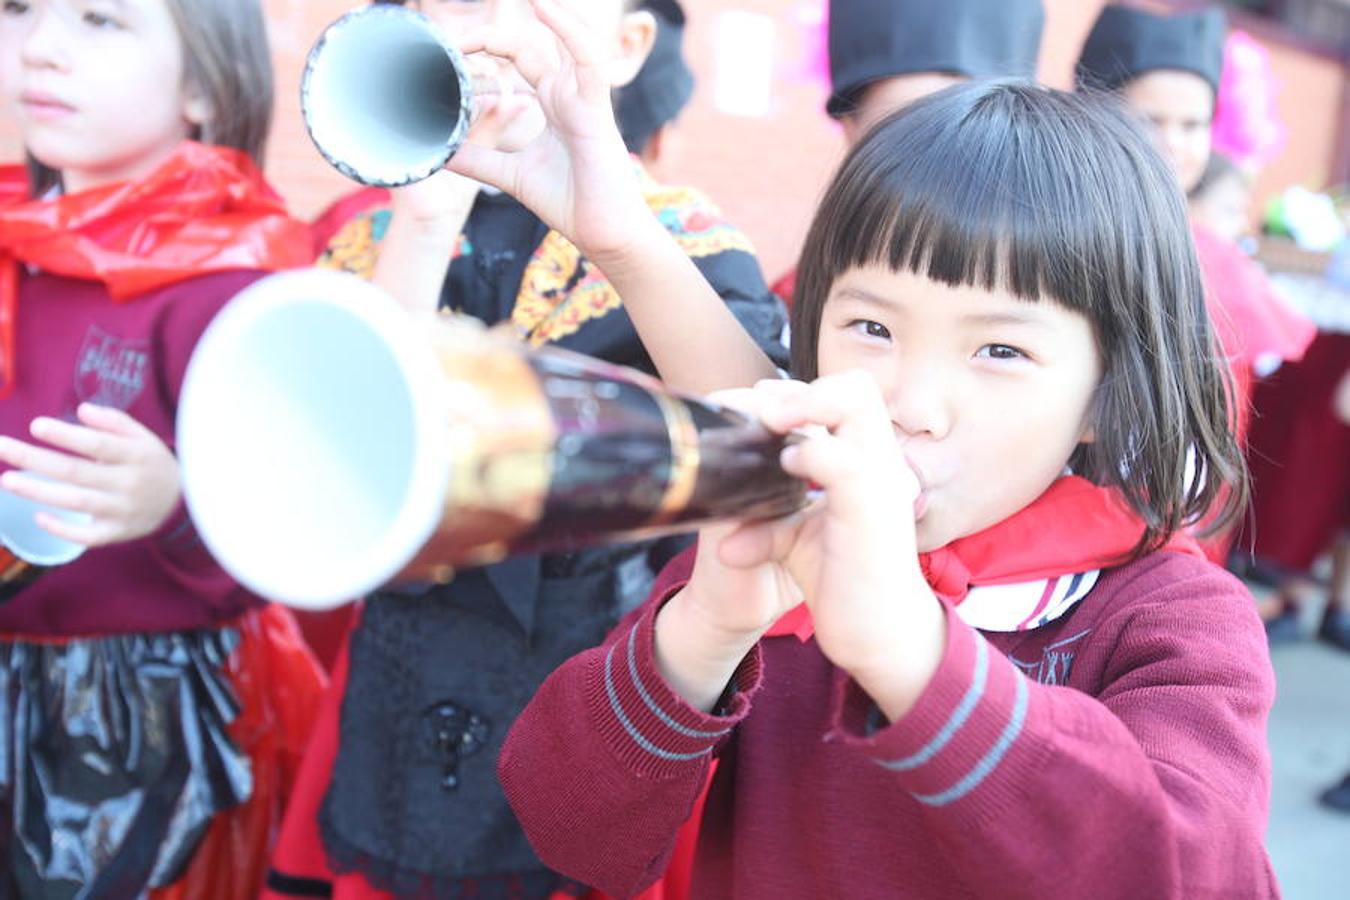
992, 758
958, 718
628, 725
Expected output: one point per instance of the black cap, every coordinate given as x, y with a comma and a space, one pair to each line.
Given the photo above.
663, 85
874, 39
1126, 43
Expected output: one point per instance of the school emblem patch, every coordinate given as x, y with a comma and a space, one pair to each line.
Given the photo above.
110, 370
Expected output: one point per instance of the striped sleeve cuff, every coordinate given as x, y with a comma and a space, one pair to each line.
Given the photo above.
651, 728
961, 736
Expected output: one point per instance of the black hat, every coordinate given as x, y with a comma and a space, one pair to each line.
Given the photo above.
1126, 43
874, 39
663, 85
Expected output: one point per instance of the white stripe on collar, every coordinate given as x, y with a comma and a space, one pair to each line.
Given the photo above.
1024, 606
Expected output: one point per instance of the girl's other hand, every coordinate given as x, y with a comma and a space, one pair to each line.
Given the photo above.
856, 559
857, 563
866, 569
110, 467
731, 598
851, 555
741, 583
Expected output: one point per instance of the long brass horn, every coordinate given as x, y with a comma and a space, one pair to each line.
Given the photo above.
331, 444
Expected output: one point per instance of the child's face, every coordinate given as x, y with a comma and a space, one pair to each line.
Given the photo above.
95, 85
624, 40
1224, 207
1179, 107
989, 395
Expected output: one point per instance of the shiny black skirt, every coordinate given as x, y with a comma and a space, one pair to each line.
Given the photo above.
114, 758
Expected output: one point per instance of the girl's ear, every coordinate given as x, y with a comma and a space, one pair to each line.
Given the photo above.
197, 107
1088, 434
637, 33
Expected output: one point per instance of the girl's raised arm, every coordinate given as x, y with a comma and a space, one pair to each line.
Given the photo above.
426, 220
578, 178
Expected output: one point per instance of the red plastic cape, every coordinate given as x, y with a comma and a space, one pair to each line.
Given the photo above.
206, 209
280, 687
1075, 526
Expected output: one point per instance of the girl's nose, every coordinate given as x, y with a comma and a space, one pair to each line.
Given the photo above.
44, 44
919, 398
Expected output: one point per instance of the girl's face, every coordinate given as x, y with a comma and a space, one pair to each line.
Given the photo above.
988, 395
1179, 108
626, 41
95, 85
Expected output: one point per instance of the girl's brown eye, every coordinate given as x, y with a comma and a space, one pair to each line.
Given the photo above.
98, 20
1000, 351
870, 328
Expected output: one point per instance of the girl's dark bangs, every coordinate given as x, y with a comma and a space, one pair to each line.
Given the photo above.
970, 203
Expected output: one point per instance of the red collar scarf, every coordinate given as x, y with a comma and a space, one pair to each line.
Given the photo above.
206, 209
1074, 527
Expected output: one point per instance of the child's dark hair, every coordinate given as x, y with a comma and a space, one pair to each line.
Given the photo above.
1048, 195
226, 57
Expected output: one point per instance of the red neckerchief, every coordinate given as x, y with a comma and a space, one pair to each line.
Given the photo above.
206, 209
1075, 526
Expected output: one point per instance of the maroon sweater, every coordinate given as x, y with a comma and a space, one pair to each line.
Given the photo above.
1118, 752
76, 345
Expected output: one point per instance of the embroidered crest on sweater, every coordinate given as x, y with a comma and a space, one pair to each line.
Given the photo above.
1056, 662
562, 291
111, 370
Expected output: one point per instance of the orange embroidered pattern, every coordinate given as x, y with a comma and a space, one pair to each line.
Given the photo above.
560, 291
548, 310
355, 247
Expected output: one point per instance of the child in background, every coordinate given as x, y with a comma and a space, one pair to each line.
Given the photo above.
885, 54
1300, 463
399, 793
1336, 621
1167, 68
1221, 201
647, 107
148, 704
998, 666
